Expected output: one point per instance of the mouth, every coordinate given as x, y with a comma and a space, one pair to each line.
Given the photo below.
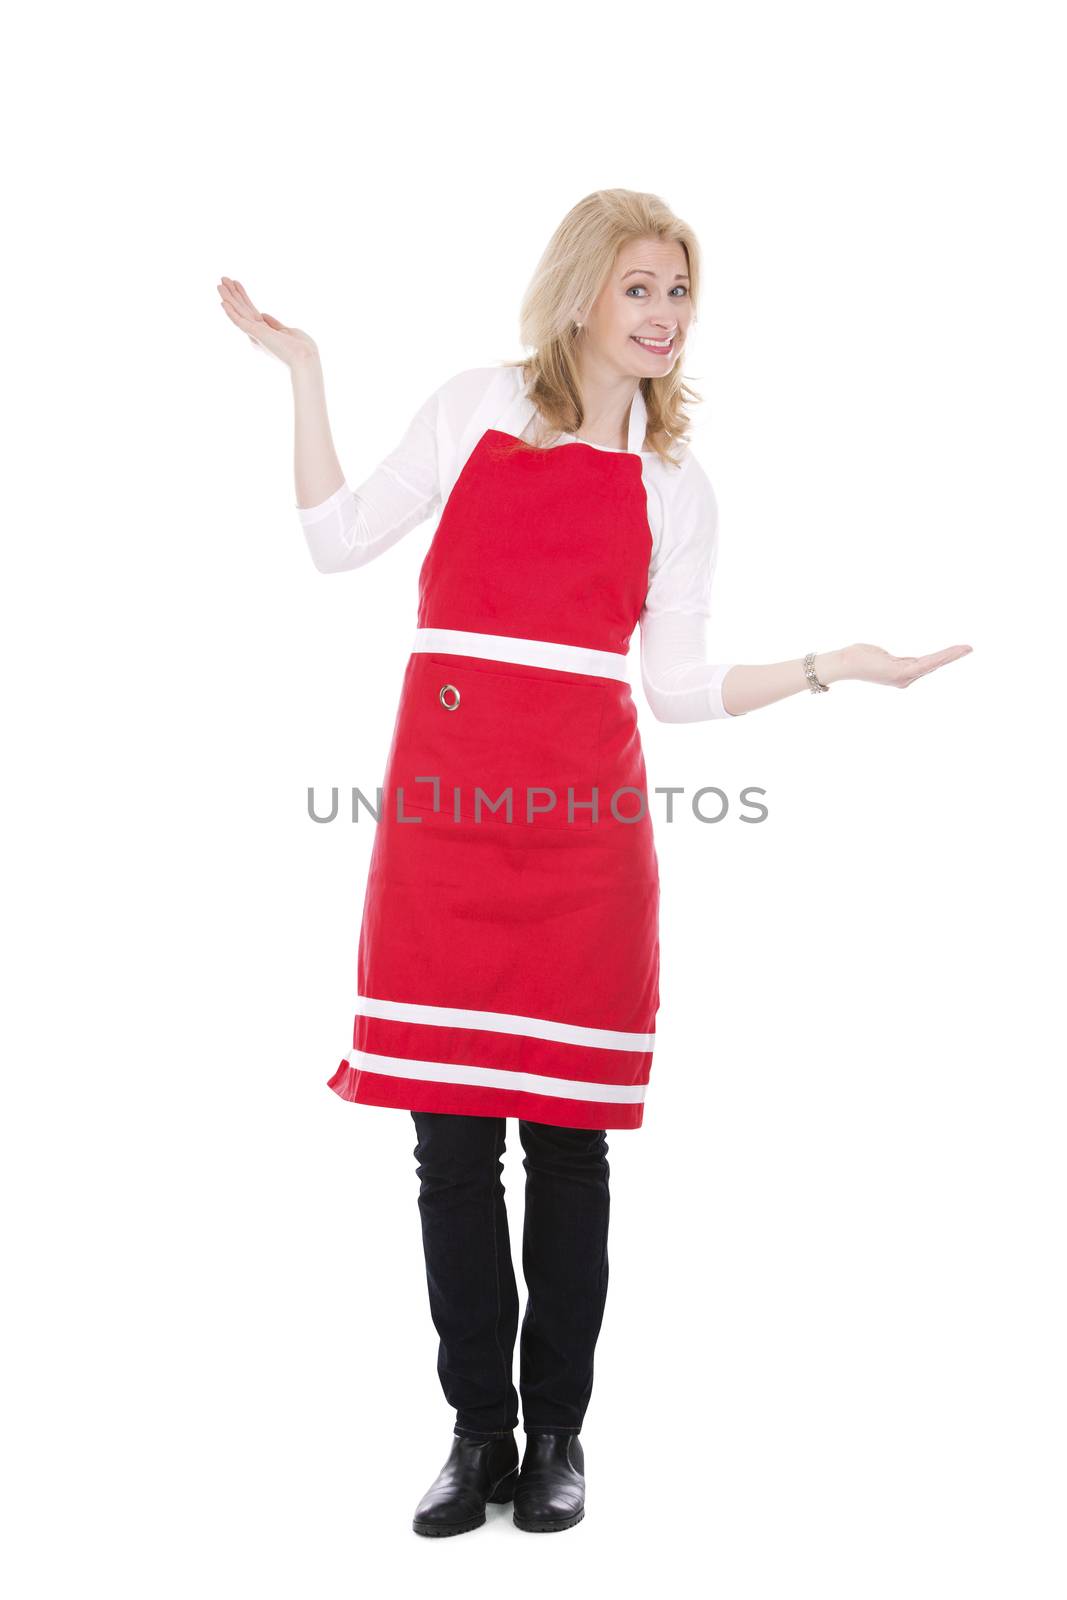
658, 347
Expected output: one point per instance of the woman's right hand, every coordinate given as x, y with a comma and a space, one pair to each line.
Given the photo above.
290, 345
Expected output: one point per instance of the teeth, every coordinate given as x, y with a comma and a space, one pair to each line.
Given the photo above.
654, 344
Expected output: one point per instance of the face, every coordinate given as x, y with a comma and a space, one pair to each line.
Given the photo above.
646, 297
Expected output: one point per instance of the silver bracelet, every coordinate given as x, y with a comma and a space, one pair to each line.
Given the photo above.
809, 671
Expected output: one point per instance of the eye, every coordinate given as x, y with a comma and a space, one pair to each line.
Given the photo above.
641, 286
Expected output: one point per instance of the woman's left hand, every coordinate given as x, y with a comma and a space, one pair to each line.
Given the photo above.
870, 664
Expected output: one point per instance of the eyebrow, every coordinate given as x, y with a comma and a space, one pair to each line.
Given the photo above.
649, 273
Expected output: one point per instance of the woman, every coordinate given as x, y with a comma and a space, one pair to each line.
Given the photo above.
509, 955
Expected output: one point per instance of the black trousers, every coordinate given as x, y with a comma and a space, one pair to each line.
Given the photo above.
474, 1301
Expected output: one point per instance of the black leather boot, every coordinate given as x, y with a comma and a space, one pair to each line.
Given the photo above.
550, 1493
476, 1471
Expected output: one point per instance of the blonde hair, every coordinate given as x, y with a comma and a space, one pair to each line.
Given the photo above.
571, 273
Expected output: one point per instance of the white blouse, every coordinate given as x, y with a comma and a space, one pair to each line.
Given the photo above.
414, 481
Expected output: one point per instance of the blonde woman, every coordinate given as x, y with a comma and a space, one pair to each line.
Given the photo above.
509, 951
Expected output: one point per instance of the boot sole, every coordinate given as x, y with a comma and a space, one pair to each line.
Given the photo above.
542, 1525
443, 1531
503, 1492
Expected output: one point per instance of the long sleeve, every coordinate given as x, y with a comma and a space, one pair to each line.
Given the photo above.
354, 526
681, 683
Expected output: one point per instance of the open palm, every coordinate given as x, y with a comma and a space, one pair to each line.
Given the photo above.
265, 331
871, 664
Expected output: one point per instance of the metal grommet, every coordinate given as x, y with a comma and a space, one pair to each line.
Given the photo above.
448, 688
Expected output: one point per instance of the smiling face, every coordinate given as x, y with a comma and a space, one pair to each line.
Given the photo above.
640, 318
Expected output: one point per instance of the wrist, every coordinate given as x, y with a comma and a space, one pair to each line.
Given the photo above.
306, 366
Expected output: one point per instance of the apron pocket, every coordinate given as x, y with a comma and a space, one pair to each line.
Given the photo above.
509, 730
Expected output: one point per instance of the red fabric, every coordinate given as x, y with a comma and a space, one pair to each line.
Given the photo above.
541, 544
545, 919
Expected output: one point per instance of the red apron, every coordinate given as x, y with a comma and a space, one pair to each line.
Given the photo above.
511, 968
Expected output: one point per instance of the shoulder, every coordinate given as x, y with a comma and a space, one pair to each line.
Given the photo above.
686, 504
689, 487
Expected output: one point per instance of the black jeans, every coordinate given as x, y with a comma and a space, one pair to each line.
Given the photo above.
474, 1302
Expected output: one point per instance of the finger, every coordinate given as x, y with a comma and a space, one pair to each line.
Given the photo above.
237, 296
229, 298
940, 658
245, 296
243, 318
246, 324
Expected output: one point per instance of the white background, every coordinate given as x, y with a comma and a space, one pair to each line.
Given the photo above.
832, 1357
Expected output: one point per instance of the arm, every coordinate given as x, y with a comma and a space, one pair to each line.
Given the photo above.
317, 469
681, 683
346, 527
752, 687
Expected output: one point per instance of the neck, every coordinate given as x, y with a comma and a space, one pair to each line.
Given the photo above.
607, 397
